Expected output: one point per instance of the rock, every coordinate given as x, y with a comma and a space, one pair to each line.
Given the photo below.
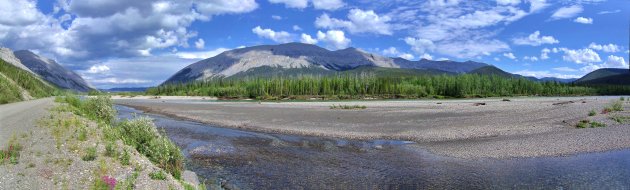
190, 177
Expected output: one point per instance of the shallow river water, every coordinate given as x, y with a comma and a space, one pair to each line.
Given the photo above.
253, 160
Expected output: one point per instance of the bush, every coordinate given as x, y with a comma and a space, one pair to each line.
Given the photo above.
158, 175
143, 136
617, 106
597, 124
592, 113
110, 149
90, 154
124, 158
100, 109
582, 124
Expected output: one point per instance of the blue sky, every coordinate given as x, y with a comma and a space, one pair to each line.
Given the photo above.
121, 43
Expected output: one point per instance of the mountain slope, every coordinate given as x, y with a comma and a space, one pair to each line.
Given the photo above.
298, 56
52, 72
7, 55
601, 75
17, 84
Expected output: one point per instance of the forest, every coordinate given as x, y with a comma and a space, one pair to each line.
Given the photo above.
370, 86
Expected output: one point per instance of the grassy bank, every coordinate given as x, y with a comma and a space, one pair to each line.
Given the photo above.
118, 141
13, 80
365, 86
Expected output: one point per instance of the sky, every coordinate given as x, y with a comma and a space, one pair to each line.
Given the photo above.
123, 43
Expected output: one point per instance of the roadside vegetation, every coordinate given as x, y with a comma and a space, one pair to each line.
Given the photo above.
13, 78
115, 140
362, 86
12, 153
347, 107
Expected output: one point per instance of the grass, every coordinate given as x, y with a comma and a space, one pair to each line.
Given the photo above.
621, 119
615, 106
592, 113
90, 154
124, 158
347, 107
157, 175
592, 124
12, 154
110, 149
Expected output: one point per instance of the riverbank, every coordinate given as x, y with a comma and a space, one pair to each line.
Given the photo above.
468, 128
62, 146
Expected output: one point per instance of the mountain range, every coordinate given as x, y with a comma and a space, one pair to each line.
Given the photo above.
44, 69
294, 59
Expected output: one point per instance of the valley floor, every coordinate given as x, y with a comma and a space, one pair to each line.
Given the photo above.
520, 127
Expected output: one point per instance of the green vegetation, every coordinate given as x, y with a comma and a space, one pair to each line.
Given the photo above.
622, 99
613, 107
365, 86
621, 119
592, 113
157, 175
591, 124
347, 107
140, 134
13, 78
90, 154
12, 154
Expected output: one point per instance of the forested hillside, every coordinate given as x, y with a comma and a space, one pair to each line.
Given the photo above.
365, 86
17, 85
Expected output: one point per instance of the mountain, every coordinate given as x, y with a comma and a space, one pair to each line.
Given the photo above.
492, 70
7, 56
301, 58
606, 76
17, 84
127, 89
52, 72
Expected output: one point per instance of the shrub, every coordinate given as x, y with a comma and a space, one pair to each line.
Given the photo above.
104, 183
592, 113
124, 158
597, 124
582, 124
158, 175
141, 134
617, 106
110, 149
82, 136
90, 154
100, 109
622, 99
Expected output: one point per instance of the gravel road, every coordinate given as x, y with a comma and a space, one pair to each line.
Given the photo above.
20, 117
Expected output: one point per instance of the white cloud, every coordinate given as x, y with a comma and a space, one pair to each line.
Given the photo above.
543, 74
471, 48
508, 2
98, 69
427, 56
276, 17
535, 39
419, 45
300, 4
359, 22
328, 4
565, 69
19, 12
201, 54
296, 28
307, 39
544, 53
580, 56
583, 20
407, 56
317, 4
393, 52
530, 58
609, 12
615, 62
279, 36
121, 81
200, 44
334, 38
218, 7
610, 48
567, 12
509, 55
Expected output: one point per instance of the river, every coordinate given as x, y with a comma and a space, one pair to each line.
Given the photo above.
254, 160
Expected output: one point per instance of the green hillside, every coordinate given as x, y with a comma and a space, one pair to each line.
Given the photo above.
13, 78
491, 70
598, 76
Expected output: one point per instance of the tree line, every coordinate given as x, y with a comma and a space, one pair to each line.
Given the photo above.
366, 86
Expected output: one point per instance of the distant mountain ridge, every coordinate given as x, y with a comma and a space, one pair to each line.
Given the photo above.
305, 56
52, 72
606, 76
